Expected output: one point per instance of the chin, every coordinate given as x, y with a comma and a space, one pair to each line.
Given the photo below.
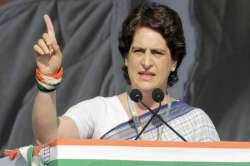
146, 87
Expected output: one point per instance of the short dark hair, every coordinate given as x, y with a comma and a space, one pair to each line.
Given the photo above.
162, 19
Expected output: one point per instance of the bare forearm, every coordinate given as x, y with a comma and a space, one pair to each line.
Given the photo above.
44, 117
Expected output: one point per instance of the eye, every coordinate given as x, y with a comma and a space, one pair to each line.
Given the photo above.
138, 51
157, 53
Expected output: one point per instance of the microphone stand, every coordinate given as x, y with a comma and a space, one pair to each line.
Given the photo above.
162, 120
150, 120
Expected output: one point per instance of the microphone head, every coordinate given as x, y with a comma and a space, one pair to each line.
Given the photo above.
157, 95
135, 95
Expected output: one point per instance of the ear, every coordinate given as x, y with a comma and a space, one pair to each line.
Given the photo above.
173, 66
126, 61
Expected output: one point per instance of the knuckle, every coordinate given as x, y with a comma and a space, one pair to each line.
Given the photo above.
40, 41
34, 47
44, 35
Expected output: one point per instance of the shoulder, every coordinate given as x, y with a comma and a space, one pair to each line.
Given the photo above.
199, 115
192, 114
203, 127
198, 125
181, 106
95, 102
90, 106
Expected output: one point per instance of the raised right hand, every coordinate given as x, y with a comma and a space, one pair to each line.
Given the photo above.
48, 53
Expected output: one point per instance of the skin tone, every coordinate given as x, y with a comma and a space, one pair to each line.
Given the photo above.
46, 125
149, 64
48, 53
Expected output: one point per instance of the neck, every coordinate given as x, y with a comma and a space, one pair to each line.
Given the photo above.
147, 99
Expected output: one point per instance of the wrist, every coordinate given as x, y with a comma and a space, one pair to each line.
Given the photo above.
48, 83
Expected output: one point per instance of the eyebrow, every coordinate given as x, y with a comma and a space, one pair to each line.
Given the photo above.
158, 50
137, 48
151, 49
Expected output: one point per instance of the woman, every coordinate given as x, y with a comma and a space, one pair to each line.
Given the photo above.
152, 46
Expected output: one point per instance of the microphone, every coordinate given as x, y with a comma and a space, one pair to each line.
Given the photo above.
157, 96
135, 95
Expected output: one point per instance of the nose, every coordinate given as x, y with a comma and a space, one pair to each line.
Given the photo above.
147, 61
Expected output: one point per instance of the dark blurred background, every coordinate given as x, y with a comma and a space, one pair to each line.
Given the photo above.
214, 75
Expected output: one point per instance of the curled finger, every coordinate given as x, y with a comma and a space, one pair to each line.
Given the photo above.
38, 50
43, 46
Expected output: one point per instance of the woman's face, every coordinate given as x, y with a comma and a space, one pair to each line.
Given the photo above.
149, 61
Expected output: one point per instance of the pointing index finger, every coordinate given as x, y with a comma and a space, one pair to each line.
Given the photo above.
49, 25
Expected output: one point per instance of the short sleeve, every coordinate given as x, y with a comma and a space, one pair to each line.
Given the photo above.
82, 114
